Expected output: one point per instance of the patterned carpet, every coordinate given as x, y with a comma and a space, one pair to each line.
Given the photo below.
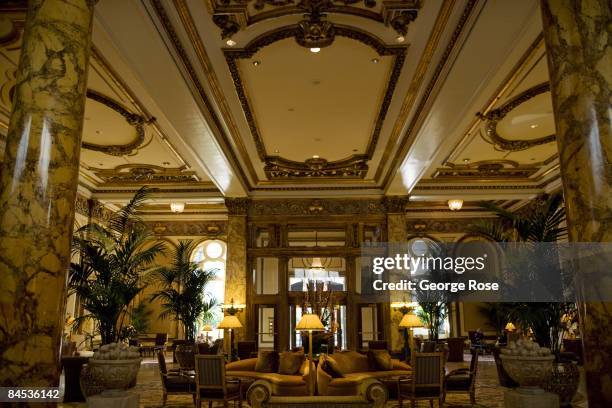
488, 392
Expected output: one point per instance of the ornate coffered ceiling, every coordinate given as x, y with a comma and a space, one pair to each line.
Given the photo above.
213, 98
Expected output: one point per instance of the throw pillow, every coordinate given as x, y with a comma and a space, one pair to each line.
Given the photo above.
380, 360
267, 362
329, 368
289, 362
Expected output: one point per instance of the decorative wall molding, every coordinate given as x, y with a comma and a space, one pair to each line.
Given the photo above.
486, 169
92, 209
395, 204
237, 206
316, 207
213, 229
133, 119
494, 116
129, 174
353, 167
440, 225
232, 16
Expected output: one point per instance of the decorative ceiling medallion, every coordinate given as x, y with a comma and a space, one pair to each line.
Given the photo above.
276, 167
234, 15
486, 169
494, 116
353, 167
133, 119
144, 173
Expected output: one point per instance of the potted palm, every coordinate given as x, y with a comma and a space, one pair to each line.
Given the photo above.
182, 293
542, 222
112, 259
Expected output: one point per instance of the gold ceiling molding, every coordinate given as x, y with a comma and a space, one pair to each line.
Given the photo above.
316, 207
417, 117
92, 209
233, 15
486, 170
208, 229
133, 119
438, 225
521, 65
494, 116
209, 112
276, 167
130, 174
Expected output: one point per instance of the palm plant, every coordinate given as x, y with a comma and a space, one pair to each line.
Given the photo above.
112, 259
543, 222
182, 290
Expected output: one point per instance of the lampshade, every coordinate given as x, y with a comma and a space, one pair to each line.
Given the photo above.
229, 322
316, 263
410, 320
510, 327
207, 328
310, 322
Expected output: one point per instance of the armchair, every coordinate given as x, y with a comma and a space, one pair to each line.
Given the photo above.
211, 383
172, 381
463, 380
427, 382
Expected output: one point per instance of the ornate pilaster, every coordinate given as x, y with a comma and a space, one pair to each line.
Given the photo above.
578, 45
236, 264
396, 234
38, 188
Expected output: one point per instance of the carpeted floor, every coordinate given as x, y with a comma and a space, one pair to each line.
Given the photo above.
488, 392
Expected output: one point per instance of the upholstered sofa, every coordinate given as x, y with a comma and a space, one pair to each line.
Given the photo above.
280, 384
370, 394
351, 370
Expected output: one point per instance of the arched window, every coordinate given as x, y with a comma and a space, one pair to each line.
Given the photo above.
212, 254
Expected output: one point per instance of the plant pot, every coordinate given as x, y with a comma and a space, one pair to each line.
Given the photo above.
531, 373
185, 355
108, 375
564, 382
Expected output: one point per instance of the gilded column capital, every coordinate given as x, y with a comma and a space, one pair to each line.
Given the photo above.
237, 206
395, 204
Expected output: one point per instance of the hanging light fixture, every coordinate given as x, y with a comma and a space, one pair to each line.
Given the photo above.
177, 207
455, 204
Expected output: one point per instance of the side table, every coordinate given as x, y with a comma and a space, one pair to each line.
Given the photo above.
72, 366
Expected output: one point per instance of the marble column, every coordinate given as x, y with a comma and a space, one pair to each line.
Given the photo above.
236, 264
579, 49
396, 234
38, 188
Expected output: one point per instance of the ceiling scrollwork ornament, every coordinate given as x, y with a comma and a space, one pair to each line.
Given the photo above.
486, 169
129, 174
353, 167
238, 14
133, 119
316, 207
493, 117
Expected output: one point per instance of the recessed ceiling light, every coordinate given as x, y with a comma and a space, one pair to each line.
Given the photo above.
277, 151
400, 38
315, 156
375, 60
535, 125
230, 42
315, 49
466, 160
256, 63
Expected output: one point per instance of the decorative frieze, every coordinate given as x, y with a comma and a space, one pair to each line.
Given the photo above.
440, 225
301, 207
188, 228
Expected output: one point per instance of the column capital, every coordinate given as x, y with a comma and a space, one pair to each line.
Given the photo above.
237, 206
395, 204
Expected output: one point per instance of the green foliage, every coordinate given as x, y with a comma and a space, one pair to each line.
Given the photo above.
112, 259
140, 316
182, 286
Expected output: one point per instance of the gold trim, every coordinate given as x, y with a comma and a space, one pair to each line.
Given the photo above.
207, 68
485, 170
132, 119
129, 174
213, 120
279, 167
494, 116
416, 117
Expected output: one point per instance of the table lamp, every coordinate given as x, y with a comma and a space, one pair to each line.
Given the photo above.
410, 321
206, 329
230, 322
310, 322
